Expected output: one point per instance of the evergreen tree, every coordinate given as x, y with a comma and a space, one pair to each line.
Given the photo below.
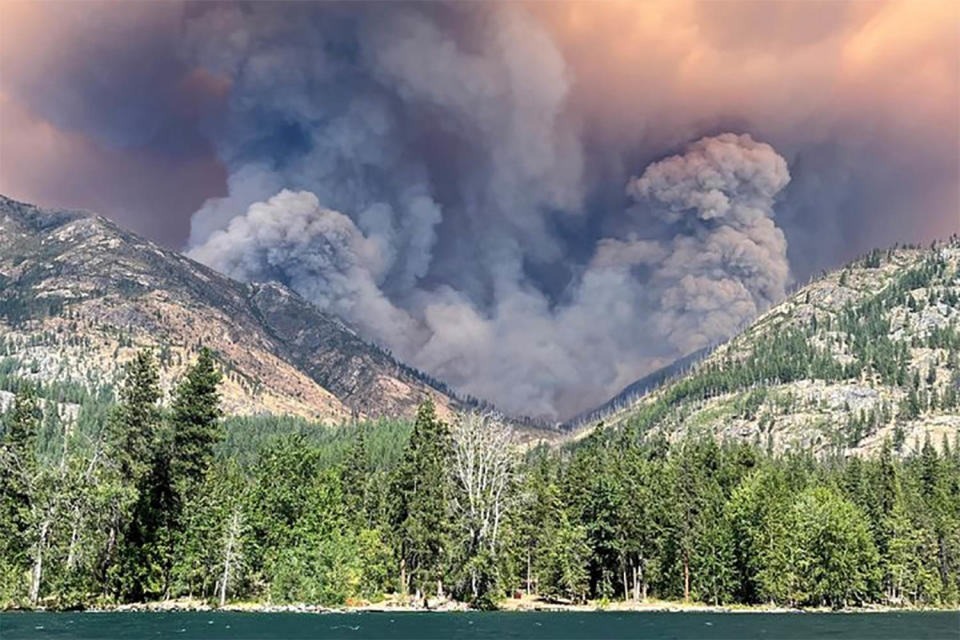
537, 501
941, 513
421, 518
209, 558
284, 510
699, 546
136, 443
136, 420
354, 479
596, 499
18, 474
562, 567
639, 523
195, 422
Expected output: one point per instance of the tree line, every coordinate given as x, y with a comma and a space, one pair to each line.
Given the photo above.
169, 499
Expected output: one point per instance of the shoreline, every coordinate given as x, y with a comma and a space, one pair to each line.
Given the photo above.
531, 604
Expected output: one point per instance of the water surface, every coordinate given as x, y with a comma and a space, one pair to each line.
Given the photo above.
537, 625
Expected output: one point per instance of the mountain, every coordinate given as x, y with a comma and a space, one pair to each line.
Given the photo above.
638, 388
78, 296
864, 353
868, 352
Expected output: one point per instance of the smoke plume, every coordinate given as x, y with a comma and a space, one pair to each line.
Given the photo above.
716, 262
536, 202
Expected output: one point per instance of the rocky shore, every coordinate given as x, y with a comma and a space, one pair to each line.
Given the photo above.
395, 604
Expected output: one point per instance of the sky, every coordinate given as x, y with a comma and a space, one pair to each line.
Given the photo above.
536, 202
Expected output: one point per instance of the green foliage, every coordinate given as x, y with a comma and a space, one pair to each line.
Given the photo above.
135, 422
562, 568
195, 421
246, 436
19, 468
832, 557
421, 497
168, 503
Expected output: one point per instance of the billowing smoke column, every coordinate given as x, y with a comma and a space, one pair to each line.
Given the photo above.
487, 143
715, 262
430, 190
500, 192
732, 260
426, 171
533, 201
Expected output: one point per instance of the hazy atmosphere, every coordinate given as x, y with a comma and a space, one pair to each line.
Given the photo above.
536, 203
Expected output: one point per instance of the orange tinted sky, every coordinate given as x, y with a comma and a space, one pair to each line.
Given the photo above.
645, 75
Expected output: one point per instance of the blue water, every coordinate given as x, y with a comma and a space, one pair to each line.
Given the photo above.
562, 625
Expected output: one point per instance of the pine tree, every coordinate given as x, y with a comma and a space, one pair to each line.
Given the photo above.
538, 498
893, 526
182, 455
136, 442
639, 523
563, 565
195, 422
134, 424
354, 479
421, 513
702, 550
21, 424
18, 471
595, 492
941, 510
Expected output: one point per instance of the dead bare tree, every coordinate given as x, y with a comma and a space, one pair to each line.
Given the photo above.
485, 460
231, 551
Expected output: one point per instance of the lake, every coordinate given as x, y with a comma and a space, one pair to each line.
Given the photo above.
554, 625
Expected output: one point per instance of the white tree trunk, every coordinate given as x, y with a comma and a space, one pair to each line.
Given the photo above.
484, 460
36, 572
528, 573
230, 553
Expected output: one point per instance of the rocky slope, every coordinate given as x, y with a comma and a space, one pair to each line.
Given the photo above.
78, 295
868, 352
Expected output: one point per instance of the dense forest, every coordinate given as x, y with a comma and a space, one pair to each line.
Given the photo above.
136, 498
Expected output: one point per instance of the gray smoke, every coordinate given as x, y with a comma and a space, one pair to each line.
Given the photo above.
425, 182
731, 261
455, 177
709, 258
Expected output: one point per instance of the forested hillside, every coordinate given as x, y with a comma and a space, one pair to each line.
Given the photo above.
152, 500
864, 354
79, 295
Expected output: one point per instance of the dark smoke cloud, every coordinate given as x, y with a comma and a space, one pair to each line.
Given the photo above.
98, 111
638, 300
538, 203
364, 231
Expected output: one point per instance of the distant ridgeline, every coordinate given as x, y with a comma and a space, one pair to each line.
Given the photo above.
145, 500
864, 354
79, 295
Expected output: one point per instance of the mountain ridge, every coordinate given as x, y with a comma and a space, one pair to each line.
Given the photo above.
94, 291
78, 295
866, 352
